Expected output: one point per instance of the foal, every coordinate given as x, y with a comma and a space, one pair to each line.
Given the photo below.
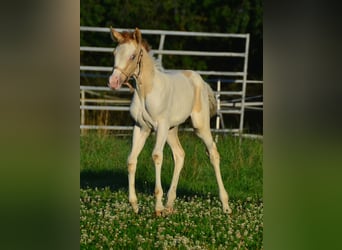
162, 102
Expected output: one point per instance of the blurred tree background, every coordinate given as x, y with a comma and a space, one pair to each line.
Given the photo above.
229, 16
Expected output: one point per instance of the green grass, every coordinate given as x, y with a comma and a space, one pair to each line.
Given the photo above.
108, 221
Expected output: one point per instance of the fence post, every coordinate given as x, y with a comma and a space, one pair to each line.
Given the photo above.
218, 96
161, 46
244, 86
82, 110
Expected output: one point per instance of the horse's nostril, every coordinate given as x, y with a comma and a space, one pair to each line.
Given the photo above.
113, 78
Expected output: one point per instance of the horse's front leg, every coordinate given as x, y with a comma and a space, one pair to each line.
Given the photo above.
157, 156
139, 139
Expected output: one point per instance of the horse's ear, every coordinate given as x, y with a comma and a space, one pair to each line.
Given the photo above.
116, 36
137, 36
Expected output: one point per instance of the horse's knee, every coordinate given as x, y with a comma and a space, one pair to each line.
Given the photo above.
179, 156
131, 163
158, 191
131, 159
131, 167
213, 153
157, 158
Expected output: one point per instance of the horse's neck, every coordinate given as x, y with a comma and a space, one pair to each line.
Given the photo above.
144, 86
145, 81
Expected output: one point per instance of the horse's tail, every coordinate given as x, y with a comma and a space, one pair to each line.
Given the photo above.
212, 100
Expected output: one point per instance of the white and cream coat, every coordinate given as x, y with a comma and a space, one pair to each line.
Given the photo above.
162, 102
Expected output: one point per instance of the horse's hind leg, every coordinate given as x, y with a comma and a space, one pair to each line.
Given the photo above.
178, 157
206, 136
139, 139
202, 129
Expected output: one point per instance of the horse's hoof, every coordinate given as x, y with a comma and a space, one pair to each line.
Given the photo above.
159, 213
165, 212
168, 210
228, 211
136, 210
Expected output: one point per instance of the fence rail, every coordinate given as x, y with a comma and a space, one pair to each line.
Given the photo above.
166, 32
236, 106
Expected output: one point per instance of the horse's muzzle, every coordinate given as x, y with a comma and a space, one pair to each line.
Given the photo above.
114, 81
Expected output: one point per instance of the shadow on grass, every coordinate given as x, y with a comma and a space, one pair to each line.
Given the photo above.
118, 180
100, 179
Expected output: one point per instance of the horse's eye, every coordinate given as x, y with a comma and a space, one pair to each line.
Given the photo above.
132, 57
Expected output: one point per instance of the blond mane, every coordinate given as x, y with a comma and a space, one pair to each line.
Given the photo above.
128, 36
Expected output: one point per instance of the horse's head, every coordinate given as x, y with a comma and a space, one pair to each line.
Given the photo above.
127, 57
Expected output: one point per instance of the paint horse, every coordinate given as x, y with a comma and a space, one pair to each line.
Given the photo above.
161, 102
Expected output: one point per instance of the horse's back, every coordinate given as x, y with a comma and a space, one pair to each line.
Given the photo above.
192, 90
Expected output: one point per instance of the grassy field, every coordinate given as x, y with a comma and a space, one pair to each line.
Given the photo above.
107, 220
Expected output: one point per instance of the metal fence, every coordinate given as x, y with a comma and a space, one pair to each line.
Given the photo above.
235, 106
